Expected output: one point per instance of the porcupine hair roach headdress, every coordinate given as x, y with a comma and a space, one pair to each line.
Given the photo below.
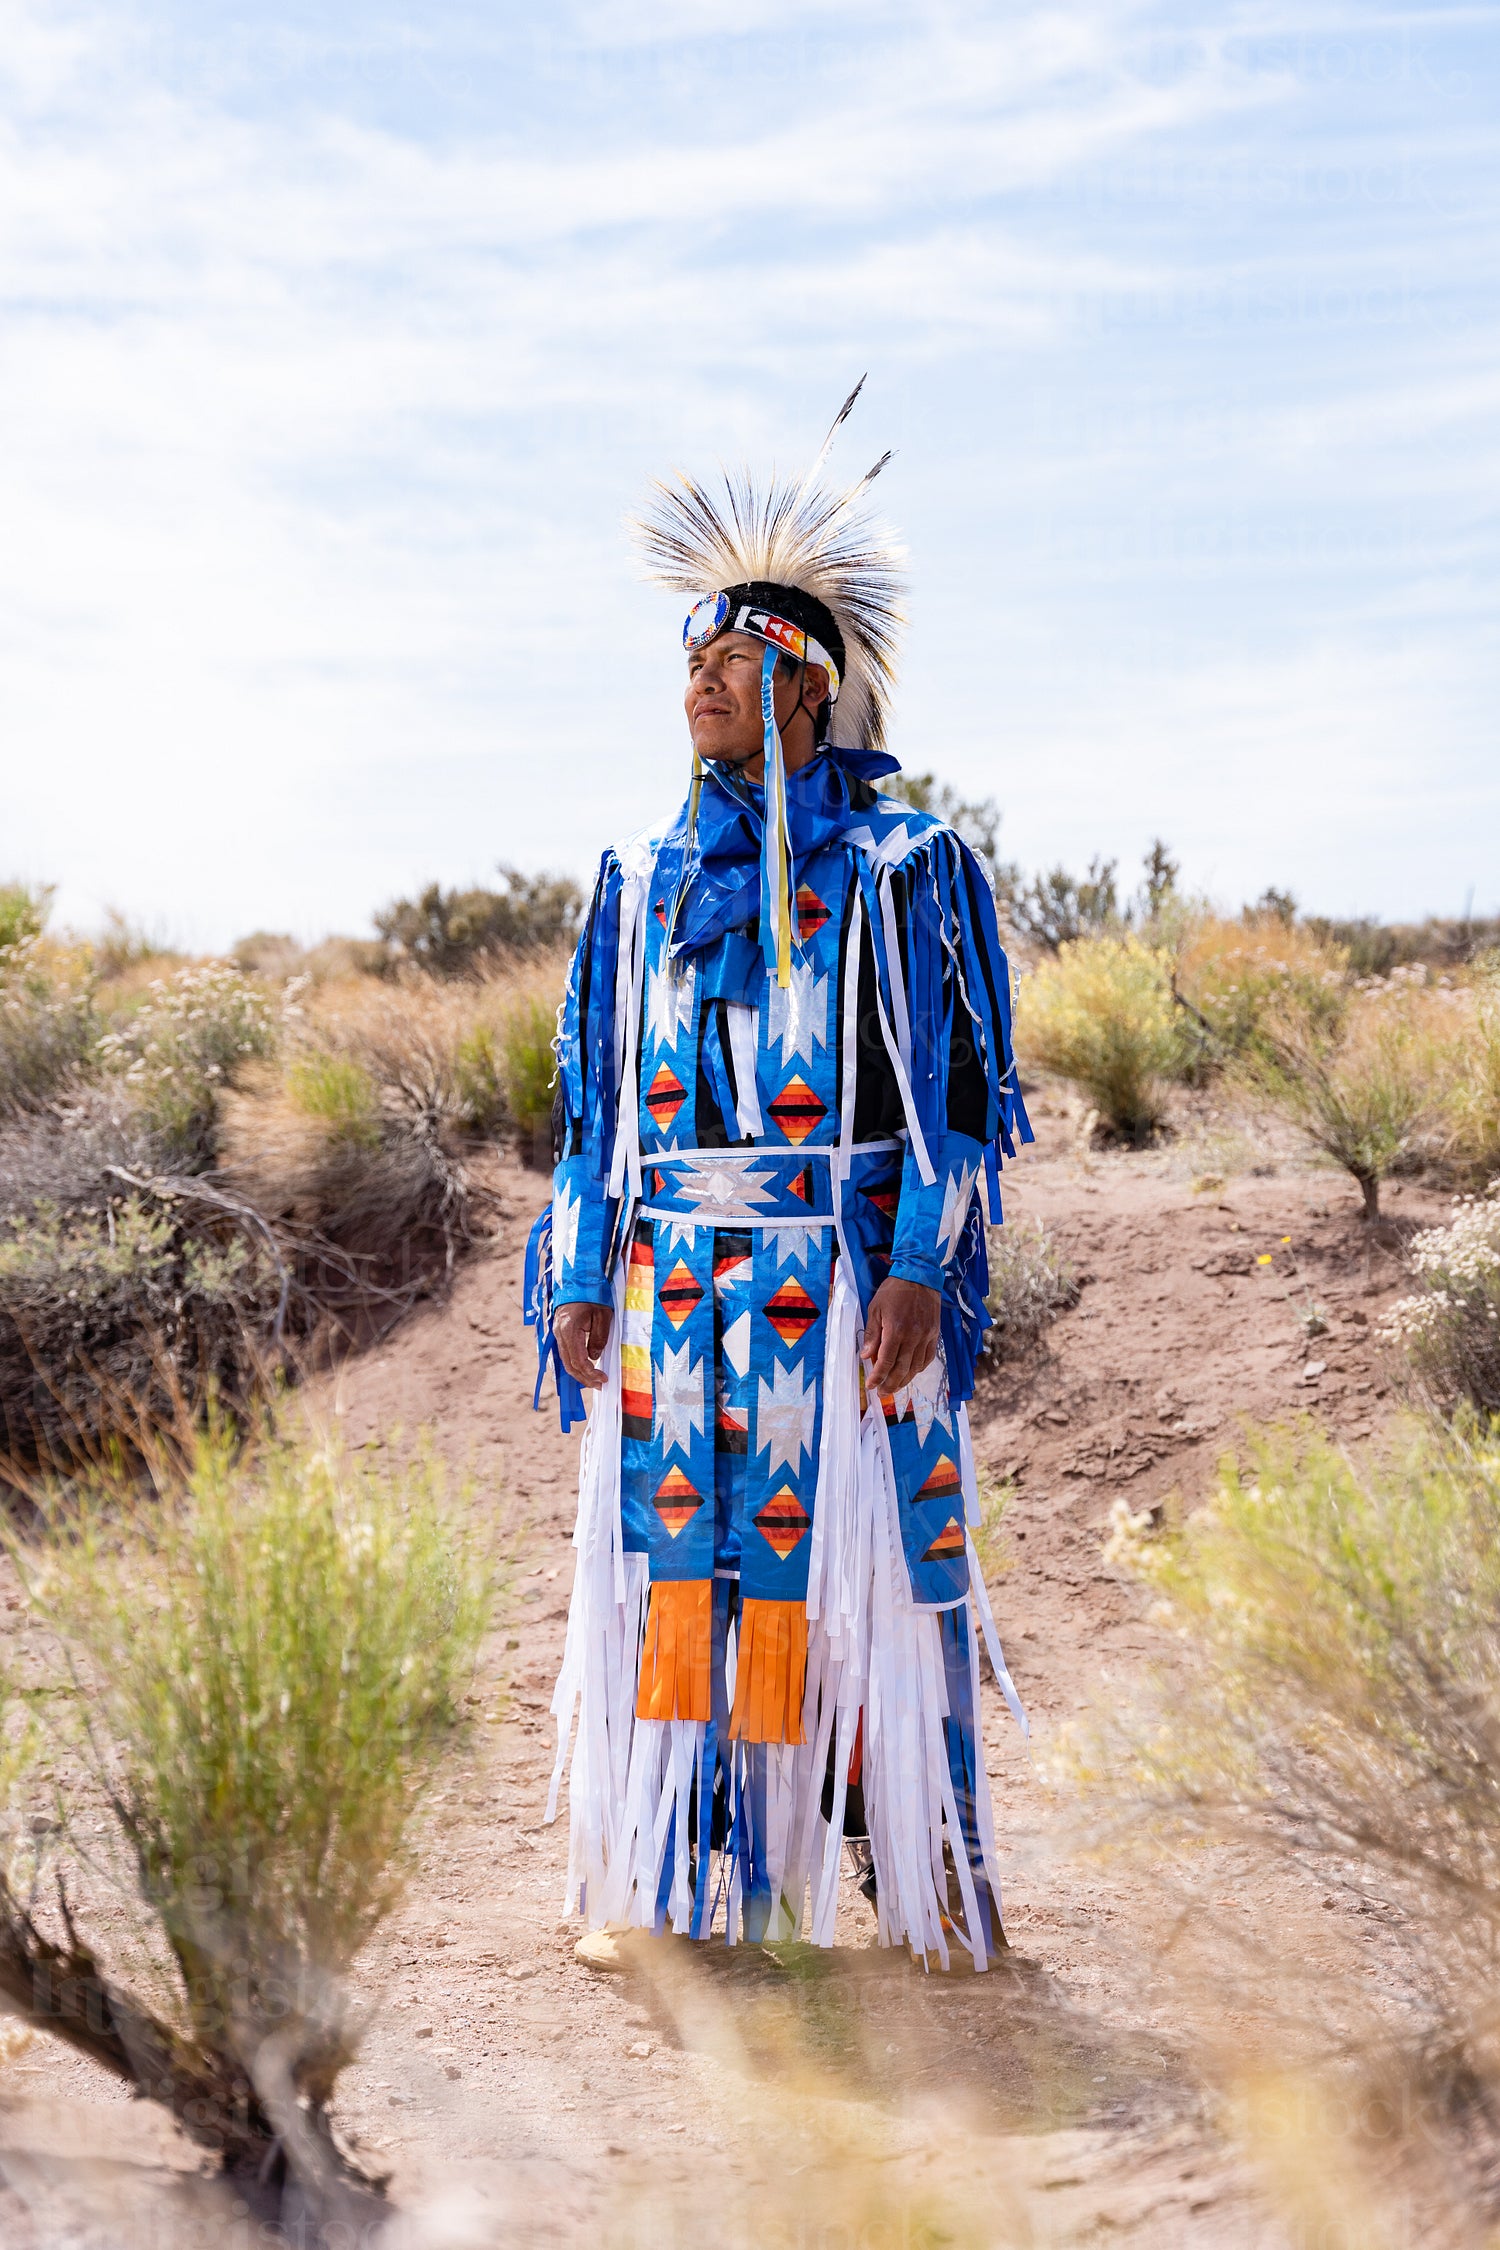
786, 562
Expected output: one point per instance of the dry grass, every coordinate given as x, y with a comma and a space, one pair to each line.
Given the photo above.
1471, 1123
1232, 974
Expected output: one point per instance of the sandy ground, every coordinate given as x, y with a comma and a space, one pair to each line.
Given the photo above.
513, 2096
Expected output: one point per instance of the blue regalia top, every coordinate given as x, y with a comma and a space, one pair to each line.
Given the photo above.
907, 1038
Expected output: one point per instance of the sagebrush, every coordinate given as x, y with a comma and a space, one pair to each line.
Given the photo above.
1448, 1328
1367, 1089
255, 1666
1334, 1693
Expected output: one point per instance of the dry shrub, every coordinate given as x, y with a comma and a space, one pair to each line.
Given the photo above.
1233, 974
48, 1026
117, 1285
1335, 1695
1449, 1328
1102, 1015
1370, 1089
202, 1181
462, 1055
1032, 1280
251, 1671
362, 1143
190, 1037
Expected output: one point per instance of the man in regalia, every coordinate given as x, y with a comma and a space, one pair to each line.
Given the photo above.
785, 1082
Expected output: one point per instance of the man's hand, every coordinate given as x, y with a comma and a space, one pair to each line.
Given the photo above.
901, 1334
582, 1331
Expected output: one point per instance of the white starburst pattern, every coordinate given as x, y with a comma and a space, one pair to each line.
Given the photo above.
679, 1231
798, 1014
927, 1396
566, 1210
955, 1209
679, 1399
736, 1341
895, 847
791, 1244
728, 1190
784, 1418
669, 1002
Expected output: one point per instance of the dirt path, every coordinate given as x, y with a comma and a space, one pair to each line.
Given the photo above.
514, 2096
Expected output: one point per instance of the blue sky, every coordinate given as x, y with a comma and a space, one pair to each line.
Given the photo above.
336, 344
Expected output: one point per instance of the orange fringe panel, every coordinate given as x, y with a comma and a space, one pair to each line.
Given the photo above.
678, 1651
770, 1673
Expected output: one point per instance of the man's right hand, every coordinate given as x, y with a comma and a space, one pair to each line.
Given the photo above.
582, 1331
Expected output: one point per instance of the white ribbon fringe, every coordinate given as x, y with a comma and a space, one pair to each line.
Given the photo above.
870, 1649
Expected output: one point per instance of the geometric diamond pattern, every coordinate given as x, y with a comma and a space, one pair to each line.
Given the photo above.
811, 914
783, 1521
791, 1312
664, 1097
676, 1501
797, 1110
680, 1294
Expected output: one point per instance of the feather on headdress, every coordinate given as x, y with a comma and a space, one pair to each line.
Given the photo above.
793, 534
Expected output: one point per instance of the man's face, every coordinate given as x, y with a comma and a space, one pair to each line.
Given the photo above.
723, 701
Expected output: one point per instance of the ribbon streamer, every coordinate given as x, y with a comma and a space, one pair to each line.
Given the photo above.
775, 844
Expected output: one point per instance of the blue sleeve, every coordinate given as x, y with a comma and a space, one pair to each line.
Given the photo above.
955, 980
584, 1216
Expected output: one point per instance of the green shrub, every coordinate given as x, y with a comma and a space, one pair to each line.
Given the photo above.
1449, 1328
480, 1071
1366, 1091
341, 1094
530, 1069
48, 1028
995, 1497
1058, 909
81, 1259
1102, 1015
113, 1309
1376, 949
451, 933
23, 913
183, 1046
262, 1664
1032, 1280
1333, 1693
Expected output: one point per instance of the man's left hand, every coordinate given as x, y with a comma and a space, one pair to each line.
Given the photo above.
901, 1334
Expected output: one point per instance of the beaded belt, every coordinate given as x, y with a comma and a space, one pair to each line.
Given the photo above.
728, 1187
